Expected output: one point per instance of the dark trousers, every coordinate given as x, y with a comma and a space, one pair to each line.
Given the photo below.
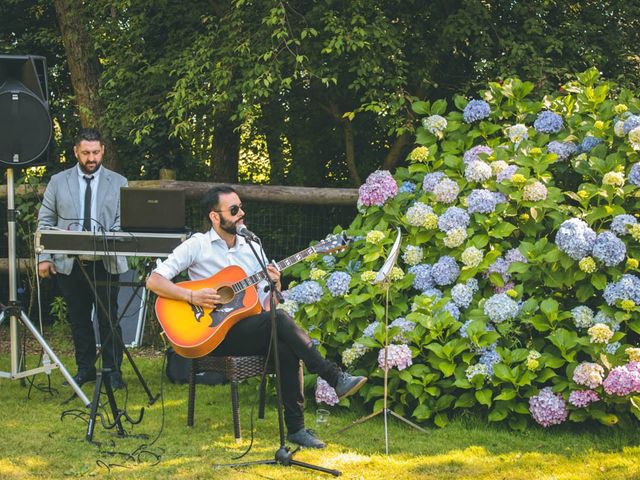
250, 336
80, 297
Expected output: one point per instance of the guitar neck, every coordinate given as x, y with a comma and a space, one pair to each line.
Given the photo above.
259, 276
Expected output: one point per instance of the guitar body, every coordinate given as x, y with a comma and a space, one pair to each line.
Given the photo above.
194, 332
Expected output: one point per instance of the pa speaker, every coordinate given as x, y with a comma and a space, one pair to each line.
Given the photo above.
25, 124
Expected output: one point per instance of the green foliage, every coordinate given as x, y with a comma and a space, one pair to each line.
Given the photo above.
504, 327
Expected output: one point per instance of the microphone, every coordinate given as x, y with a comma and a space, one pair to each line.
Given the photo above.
243, 231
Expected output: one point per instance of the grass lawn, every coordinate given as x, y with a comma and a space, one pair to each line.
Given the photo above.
36, 443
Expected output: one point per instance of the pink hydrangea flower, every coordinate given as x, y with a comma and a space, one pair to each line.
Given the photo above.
398, 356
623, 380
378, 188
548, 408
325, 393
588, 374
582, 398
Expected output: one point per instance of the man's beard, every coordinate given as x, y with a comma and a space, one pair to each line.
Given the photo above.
227, 225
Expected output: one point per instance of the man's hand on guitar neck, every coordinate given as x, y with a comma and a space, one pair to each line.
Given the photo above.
274, 274
205, 297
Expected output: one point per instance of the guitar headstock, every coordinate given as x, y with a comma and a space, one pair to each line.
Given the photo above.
333, 243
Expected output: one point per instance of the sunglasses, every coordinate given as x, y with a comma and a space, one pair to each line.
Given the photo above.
233, 210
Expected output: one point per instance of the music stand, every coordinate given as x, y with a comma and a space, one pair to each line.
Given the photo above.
383, 279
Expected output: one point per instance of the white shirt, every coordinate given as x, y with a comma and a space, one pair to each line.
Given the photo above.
205, 254
94, 197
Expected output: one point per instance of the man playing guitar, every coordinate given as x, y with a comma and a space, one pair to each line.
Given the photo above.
204, 255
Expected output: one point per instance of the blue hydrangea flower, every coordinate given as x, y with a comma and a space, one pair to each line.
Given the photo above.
627, 288
476, 110
407, 187
588, 143
462, 295
630, 123
431, 180
446, 191
500, 266
603, 317
453, 310
453, 217
507, 173
445, 271
406, 327
423, 279
575, 238
489, 357
548, 122
433, 293
564, 150
473, 154
634, 175
620, 222
338, 283
612, 348
481, 201
329, 261
501, 307
370, 330
609, 249
463, 329
306, 292
582, 316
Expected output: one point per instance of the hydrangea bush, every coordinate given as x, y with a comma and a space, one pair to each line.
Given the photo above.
517, 290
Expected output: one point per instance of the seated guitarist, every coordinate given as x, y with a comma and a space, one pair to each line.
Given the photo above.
204, 255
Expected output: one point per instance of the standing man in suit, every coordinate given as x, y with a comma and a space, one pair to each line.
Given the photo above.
86, 197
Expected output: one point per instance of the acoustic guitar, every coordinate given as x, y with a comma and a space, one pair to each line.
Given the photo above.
195, 332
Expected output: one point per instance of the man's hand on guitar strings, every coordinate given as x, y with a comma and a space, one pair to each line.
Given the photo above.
274, 274
205, 297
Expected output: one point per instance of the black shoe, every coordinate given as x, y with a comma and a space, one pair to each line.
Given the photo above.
117, 383
305, 438
348, 384
82, 377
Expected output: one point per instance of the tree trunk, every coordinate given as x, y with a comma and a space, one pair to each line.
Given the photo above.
271, 125
85, 71
393, 155
226, 149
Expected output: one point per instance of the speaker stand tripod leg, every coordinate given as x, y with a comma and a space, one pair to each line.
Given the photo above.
103, 377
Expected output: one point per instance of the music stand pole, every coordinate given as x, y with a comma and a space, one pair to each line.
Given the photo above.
283, 456
15, 312
383, 279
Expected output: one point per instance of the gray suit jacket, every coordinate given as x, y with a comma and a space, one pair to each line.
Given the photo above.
61, 209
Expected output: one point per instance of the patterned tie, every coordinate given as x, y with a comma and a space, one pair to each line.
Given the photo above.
86, 224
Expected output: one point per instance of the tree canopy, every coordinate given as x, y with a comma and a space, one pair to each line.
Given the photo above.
321, 90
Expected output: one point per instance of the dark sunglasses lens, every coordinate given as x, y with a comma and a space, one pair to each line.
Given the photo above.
234, 210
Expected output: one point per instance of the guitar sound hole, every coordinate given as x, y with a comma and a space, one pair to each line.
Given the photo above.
226, 294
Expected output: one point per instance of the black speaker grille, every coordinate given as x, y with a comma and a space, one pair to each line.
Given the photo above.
25, 126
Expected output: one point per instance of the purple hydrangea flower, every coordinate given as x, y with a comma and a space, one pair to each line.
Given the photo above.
446, 191
582, 398
548, 408
514, 255
609, 249
338, 284
445, 271
564, 150
575, 238
482, 201
431, 180
548, 122
620, 222
423, 279
406, 327
476, 110
453, 217
477, 171
306, 292
325, 393
433, 293
500, 266
378, 188
473, 154
507, 173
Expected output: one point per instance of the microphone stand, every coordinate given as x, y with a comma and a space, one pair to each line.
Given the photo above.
283, 456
